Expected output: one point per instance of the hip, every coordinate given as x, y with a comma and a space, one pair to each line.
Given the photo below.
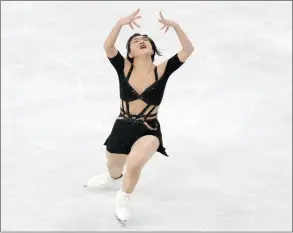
149, 124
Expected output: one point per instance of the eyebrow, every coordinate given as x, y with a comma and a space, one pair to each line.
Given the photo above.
143, 36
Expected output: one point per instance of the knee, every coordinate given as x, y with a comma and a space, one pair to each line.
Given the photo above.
114, 166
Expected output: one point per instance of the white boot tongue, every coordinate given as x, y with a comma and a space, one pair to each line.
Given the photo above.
122, 193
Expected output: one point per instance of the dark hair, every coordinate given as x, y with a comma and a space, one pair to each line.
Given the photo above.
154, 47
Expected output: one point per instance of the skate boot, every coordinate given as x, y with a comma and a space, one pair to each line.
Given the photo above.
103, 181
122, 207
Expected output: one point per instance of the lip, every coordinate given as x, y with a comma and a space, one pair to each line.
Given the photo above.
143, 46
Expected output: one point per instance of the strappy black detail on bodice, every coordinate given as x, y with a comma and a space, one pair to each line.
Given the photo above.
152, 95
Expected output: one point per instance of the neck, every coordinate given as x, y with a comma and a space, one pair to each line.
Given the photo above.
143, 63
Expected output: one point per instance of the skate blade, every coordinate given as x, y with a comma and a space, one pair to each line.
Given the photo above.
122, 222
99, 187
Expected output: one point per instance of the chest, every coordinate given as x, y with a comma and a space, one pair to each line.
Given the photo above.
141, 82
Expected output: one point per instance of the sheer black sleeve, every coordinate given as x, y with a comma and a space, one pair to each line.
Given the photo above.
172, 65
118, 62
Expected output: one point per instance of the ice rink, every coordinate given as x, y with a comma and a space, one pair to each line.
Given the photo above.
226, 117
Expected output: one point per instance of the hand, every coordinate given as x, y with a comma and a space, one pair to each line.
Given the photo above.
166, 23
130, 19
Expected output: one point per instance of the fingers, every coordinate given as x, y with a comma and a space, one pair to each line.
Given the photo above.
165, 25
130, 25
133, 17
136, 12
137, 17
161, 15
167, 29
135, 24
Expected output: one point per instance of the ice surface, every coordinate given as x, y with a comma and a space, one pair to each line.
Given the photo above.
226, 117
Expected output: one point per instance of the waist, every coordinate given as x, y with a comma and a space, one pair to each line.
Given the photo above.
138, 117
152, 124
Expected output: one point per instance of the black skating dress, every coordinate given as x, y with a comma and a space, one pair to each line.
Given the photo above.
128, 127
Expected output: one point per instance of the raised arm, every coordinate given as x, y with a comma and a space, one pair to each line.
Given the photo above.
187, 47
109, 44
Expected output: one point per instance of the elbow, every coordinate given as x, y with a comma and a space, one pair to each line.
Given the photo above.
191, 49
106, 46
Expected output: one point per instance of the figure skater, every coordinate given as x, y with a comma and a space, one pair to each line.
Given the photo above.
136, 134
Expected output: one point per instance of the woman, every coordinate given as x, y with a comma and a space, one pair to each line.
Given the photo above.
136, 134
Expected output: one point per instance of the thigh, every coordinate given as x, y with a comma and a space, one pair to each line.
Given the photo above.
117, 160
143, 150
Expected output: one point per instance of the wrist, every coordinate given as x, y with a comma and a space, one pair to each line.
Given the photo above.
175, 25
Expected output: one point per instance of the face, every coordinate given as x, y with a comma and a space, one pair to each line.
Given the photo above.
140, 45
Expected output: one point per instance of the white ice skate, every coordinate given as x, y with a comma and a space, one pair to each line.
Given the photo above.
103, 181
122, 207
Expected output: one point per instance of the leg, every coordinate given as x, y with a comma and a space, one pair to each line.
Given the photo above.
115, 164
141, 152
